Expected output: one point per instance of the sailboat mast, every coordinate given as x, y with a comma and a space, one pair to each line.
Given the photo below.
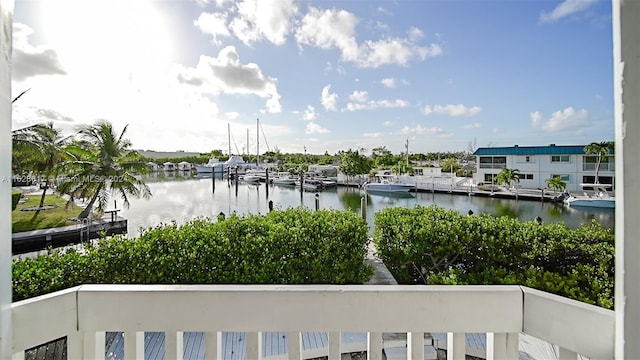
406, 147
229, 136
257, 141
247, 142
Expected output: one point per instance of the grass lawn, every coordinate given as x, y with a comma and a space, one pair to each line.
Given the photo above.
58, 216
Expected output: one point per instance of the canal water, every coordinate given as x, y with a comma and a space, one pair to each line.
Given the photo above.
182, 199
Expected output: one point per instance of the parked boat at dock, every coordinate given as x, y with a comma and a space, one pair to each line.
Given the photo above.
600, 199
388, 183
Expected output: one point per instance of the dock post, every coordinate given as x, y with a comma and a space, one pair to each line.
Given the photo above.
317, 201
266, 180
363, 207
235, 179
301, 182
213, 179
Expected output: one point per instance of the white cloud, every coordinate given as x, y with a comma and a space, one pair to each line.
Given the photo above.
389, 82
472, 126
214, 24
232, 115
328, 29
313, 128
334, 28
452, 110
415, 34
309, 113
329, 100
419, 130
225, 74
263, 19
536, 117
359, 96
566, 8
564, 120
387, 123
374, 135
373, 54
360, 101
29, 60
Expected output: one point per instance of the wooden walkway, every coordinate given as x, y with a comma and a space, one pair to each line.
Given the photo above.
274, 345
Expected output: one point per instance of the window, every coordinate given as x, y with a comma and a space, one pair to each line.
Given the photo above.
493, 162
560, 158
563, 177
489, 178
526, 176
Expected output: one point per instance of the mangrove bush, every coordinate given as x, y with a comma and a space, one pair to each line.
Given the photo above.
432, 245
294, 246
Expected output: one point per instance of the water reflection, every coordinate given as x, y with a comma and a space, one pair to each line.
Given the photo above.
182, 199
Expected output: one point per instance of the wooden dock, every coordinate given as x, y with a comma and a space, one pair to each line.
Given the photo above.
35, 240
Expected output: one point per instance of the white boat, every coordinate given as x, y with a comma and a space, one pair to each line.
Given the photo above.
251, 178
283, 178
600, 199
388, 183
309, 184
212, 166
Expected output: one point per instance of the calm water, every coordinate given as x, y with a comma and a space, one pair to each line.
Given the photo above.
183, 199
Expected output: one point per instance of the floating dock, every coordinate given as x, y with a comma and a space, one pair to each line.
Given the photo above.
35, 240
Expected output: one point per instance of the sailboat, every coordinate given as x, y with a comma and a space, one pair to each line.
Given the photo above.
216, 166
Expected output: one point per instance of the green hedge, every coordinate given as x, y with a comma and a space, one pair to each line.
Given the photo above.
436, 246
294, 246
15, 198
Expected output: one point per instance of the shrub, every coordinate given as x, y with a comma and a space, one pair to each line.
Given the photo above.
295, 246
436, 246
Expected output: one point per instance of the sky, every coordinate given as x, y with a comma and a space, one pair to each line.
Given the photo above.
321, 76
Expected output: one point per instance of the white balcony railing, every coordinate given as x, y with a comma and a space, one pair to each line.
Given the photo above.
83, 314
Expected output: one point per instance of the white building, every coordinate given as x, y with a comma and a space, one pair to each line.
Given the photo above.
536, 164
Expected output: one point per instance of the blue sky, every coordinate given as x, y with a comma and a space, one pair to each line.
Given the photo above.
320, 75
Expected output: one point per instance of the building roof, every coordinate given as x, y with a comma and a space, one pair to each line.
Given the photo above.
533, 150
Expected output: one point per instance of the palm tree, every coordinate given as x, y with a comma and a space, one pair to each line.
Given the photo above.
556, 183
41, 149
601, 150
103, 163
508, 176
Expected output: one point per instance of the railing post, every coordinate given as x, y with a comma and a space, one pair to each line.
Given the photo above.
294, 345
94, 347
415, 345
75, 344
254, 345
334, 345
456, 349
133, 345
213, 345
173, 345
505, 346
374, 346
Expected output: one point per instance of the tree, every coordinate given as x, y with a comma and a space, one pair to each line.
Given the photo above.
556, 183
352, 163
508, 176
103, 163
601, 150
450, 165
42, 149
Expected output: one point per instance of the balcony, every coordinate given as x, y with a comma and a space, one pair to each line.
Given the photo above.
83, 314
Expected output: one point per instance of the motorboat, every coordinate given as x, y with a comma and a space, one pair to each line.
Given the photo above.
212, 166
309, 184
600, 199
283, 178
387, 183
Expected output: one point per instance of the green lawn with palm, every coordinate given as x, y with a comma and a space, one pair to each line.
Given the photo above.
55, 213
